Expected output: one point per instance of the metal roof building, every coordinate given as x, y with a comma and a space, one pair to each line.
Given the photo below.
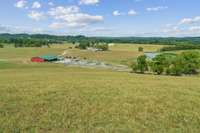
50, 57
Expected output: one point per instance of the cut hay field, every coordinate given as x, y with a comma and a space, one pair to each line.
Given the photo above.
50, 98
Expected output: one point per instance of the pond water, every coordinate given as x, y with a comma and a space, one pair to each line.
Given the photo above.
151, 55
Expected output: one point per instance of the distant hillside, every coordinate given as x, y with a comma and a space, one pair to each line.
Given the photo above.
11, 38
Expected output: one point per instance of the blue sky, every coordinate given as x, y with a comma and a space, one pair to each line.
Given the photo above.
101, 17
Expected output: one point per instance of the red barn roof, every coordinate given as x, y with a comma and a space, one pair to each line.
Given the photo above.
37, 59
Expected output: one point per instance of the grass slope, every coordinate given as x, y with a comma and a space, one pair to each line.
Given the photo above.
88, 100
54, 98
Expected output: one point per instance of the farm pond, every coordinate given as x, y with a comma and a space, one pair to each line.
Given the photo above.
151, 55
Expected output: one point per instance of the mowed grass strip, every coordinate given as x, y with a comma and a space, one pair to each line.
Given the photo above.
60, 99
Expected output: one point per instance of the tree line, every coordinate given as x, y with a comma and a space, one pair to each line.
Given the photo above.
180, 47
169, 64
11, 38
30, 43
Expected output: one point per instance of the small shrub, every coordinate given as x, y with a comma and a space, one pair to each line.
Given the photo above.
83, 45
103, 47
140, 49
1, 46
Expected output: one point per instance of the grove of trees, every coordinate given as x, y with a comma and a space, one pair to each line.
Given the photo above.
86, 44
170, 64
30, 43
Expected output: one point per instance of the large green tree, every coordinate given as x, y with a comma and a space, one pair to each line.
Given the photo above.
142, 65
161, 62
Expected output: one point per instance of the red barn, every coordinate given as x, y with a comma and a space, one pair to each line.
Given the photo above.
37, 59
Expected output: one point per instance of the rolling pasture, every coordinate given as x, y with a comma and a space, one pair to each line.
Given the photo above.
58, 99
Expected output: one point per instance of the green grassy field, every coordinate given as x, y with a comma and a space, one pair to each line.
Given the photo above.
57, 99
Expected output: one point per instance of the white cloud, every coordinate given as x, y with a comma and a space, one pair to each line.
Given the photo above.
20, 29
132, 12
185, 27
186, 21
195, 28
4, 29
36, 15
190, 20
172, 29
88, 2
60, 11
158, 8
36, 5
73, 17
51, 3
117, 13
181, 31
21, 4
96, 29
